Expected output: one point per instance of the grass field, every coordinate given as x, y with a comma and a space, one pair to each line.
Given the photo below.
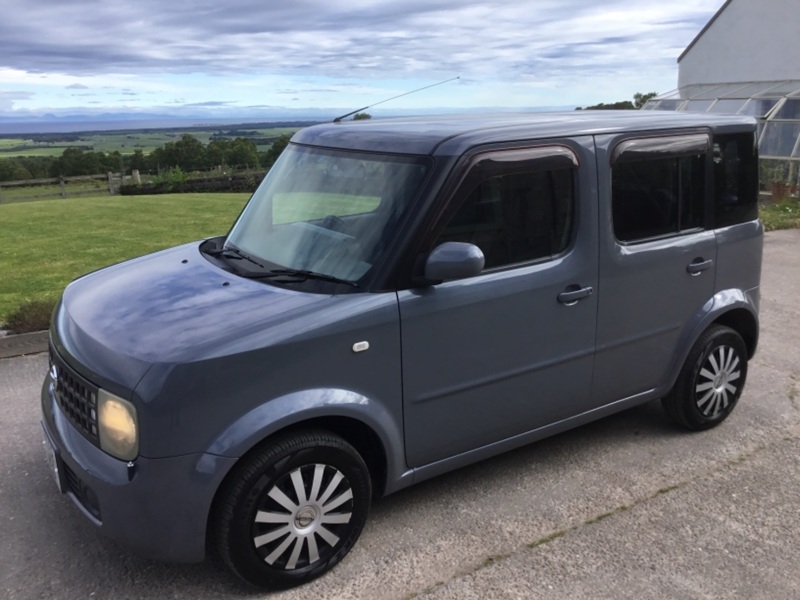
48, 243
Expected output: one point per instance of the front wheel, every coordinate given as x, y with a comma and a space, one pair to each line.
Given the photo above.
711, 380
293, 510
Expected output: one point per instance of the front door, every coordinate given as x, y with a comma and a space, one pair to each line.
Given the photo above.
511, 349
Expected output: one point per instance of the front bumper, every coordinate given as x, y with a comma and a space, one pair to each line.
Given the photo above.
156, 507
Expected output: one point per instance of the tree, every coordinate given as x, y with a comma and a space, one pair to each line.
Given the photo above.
639, 99
361, 116
137, 161
621, 105
111, 161
188, 153
217, 152
275, 149
12, 170
74, 161
242, 153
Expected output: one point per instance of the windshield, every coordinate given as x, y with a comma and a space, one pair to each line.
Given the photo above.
327, 211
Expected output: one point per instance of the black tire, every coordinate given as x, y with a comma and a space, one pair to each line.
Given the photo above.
711, 380
260, 519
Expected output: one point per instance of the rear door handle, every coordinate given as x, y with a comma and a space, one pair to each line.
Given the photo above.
571, 297
698, 265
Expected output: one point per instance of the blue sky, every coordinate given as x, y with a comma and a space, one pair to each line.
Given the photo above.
260, 57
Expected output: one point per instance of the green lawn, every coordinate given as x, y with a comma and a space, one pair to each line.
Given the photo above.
782, 215
46, 244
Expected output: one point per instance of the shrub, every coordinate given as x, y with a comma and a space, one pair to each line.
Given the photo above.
171, 178
31, 315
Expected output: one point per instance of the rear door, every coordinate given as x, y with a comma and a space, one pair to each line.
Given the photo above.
509, 350
657, 257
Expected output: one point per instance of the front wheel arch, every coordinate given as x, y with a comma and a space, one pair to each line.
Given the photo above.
282, 491
356, 433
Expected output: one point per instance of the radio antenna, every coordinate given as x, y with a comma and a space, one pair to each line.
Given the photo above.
338, 119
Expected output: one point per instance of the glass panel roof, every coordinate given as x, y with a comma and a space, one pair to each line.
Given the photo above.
779, 139
698, 105
728, 105
755, 89
758, 107
670, 104
710, 92
778, 131
731, 90
669, 95
785, 88
790, 110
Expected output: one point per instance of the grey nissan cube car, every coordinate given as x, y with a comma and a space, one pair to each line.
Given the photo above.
400, 298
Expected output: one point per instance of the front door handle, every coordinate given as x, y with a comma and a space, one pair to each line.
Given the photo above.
570, 297
698, 265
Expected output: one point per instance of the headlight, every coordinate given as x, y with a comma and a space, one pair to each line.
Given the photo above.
116, 421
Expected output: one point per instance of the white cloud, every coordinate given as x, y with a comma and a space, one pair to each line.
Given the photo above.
508, 52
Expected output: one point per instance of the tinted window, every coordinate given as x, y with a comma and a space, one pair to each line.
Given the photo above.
653, 197
735, 179
515, 217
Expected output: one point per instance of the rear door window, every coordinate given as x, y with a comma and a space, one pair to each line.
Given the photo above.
658, 187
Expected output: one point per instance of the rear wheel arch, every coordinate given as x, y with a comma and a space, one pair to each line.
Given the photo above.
710, 381
743, 322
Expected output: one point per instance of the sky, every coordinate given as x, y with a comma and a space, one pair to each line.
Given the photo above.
254, 58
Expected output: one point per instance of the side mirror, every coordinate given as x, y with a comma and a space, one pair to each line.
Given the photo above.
454, 260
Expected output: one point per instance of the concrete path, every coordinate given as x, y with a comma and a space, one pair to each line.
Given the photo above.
628, 507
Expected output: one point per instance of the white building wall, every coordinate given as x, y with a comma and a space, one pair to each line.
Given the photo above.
751, 40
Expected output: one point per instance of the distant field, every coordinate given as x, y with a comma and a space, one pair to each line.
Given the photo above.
36, 192
48, 243
127, 142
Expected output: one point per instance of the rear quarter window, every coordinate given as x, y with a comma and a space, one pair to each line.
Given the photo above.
735, 179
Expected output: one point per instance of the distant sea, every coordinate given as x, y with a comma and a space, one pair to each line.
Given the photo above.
21, 127
10, 126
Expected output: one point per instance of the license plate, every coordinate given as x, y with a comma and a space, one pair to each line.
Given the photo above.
52, 462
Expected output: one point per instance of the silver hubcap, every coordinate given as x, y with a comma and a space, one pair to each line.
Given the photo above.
716, 384
302, 516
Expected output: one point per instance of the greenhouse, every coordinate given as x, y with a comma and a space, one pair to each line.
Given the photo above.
776, 105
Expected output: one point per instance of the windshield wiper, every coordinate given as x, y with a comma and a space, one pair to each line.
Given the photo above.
234, 254
299, 273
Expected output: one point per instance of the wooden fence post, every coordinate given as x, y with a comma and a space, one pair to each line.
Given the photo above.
62, 185
110, 183
136, 177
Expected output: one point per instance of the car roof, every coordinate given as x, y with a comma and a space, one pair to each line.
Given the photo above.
453, 134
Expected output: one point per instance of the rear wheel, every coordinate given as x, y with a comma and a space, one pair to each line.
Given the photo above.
711, 380
293, 510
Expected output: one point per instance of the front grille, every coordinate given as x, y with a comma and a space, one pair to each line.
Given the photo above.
76, 397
